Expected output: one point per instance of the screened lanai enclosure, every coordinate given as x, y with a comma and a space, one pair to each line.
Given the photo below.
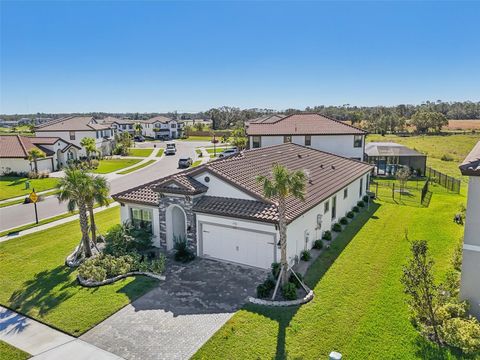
388, 157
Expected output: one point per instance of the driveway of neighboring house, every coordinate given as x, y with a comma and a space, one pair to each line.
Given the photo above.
175, 319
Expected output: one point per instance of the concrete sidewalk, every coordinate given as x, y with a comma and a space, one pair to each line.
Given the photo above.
52, 224
43, 342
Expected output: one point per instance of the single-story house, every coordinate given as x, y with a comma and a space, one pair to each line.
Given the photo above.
162, 127
220, 209
73, 129
387, 157
313, 130
469, 285
14, 153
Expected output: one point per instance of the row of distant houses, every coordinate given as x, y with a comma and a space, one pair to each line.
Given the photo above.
60, 140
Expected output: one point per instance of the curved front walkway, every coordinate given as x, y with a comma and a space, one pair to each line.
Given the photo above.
175, 319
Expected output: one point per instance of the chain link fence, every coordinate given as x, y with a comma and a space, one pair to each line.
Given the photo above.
448, 182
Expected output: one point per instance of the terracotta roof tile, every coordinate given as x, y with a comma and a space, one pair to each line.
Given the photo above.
302, 124
16, 146
72, 123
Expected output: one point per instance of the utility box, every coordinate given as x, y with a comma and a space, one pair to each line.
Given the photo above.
335, 356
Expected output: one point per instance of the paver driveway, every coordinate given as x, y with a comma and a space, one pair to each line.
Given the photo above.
175, 319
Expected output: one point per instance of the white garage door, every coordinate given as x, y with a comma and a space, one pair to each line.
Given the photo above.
238, 245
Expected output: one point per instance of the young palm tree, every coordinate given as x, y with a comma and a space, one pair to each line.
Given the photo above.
88, 144
138, 128
74, 188
282, 185
98, 193
33, 155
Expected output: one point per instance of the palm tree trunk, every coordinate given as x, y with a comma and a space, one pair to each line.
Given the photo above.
93, 226
35, 165
82, 208
283, 239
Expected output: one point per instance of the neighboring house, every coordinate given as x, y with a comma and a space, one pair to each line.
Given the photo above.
470, 281
387, 157
14, 153
312, 130
193, 122
220, 209
73, 129
160, 127
120, 125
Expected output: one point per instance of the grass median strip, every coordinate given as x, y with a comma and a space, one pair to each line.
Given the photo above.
110, 165
160, 152
149, 162
11, 353
46, 290
140, 152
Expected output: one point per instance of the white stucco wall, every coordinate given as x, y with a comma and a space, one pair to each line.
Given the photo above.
125, 215
79, 135
308, 221
23, 165
218, 187
337, 144
148, 129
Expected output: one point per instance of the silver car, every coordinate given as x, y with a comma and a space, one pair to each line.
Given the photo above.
228, 152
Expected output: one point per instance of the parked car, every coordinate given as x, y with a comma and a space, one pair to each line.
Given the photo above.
228, 152
171, 149
185, 162
139, 138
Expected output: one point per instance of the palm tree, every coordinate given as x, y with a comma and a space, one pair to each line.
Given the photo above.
88, 144
282, 185
74, 188
138, 128
97, 193
33, 155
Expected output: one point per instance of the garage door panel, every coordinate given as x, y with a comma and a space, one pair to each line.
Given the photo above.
238, 245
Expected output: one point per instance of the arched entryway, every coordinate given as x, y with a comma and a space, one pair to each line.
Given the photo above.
176, 225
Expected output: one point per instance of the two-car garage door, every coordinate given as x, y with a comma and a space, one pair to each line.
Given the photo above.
238, 245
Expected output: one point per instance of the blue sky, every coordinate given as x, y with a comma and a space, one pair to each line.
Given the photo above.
191, 56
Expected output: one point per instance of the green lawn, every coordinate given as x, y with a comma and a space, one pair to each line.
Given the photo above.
198, 138
12, 186
34, 280
9, 352
359, 308
196, 163
160, 152
140, 152
435, 146
135, 168
111, 165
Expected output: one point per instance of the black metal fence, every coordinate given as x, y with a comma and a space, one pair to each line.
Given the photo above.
410, 193
448, 182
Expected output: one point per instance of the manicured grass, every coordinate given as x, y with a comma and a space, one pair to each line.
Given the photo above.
198, 138
20, 201
13, 186
435, 146
160, 152
35, 281
10, 352
111, 165
135, 168
359, 308
196, 163
140, 152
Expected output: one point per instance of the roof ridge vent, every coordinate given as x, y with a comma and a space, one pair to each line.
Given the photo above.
333, 167
321, 166
299, 155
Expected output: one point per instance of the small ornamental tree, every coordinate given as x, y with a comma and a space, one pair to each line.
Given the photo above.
239, 139
419, 285
402, 175
33, 155
88, 144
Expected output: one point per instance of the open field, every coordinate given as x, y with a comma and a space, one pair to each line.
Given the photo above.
34, 280
109, 165
463, 124
20, 130
13, 186
435, 147
140, 152
8, 352
359, 308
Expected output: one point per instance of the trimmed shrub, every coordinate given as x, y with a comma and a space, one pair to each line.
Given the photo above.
262, 291
305, 255
344, 221
350, 215
327, 235
365, 198
356, 209
294, 280
289, 291
182, 252
318, 244
269, 283
122, 239
463, 334
337, 227
361, 204
276, 269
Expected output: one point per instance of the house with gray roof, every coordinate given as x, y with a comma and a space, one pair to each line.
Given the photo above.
470, 281
161, 127
388, 157
309, 129
220, 210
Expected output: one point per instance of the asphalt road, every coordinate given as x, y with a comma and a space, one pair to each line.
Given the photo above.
17, 215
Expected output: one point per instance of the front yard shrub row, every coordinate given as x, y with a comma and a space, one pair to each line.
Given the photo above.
365, 198
350, 215
356, 209
305, 255
104, 267
327, 235
289, 291
265, 289
318, 244
122, 239
293, 279
344, 221
276, 269
361, 204
337, 227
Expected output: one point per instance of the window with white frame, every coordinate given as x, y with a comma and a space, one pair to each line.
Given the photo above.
357, 141
142, 218
326, 207
345, 193
361, 188
308, 140
256, 142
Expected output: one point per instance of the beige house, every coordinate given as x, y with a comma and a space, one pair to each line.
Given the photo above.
470, 283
